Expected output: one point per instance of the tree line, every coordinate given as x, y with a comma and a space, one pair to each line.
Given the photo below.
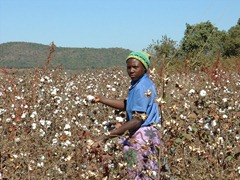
202, 40
33, 55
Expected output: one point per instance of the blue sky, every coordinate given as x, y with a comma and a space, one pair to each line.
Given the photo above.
129, 24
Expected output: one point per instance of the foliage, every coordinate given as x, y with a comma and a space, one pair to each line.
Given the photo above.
201, 39
232, 41
201, 43
32, 55
165, 48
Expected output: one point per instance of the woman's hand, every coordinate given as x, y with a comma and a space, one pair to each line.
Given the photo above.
93, 99
100, 141
96, 99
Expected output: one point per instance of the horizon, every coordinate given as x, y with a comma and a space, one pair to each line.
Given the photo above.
123, 24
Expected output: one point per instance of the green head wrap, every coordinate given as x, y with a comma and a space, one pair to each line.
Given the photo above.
143, 57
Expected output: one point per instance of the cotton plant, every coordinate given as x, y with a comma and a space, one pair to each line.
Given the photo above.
58, 124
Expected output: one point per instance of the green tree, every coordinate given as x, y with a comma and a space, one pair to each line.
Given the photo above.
232, 41
162, 51
201, 39
165, 48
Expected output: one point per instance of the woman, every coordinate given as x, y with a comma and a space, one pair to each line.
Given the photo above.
142, 113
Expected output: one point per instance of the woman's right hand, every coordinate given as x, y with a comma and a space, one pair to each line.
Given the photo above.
93, 99
96, 98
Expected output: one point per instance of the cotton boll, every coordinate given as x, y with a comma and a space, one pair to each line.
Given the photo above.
203, 93
17, 139
90, 142
213, 123
90, 97
34, 125
120, 119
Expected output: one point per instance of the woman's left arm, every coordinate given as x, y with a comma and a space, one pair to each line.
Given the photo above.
131, 126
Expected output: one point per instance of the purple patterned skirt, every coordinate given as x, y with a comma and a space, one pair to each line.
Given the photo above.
141, 153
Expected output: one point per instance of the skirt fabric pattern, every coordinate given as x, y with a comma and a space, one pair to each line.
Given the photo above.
141, 153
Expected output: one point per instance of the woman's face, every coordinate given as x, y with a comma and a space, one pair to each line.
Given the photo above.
135, 69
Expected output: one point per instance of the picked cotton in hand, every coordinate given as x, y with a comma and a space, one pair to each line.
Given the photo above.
90, 97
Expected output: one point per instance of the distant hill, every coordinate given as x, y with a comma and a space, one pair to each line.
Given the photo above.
33, 55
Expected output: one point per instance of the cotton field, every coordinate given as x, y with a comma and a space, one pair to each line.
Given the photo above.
48, 123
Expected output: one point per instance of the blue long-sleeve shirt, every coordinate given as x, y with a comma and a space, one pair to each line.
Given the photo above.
142, 98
